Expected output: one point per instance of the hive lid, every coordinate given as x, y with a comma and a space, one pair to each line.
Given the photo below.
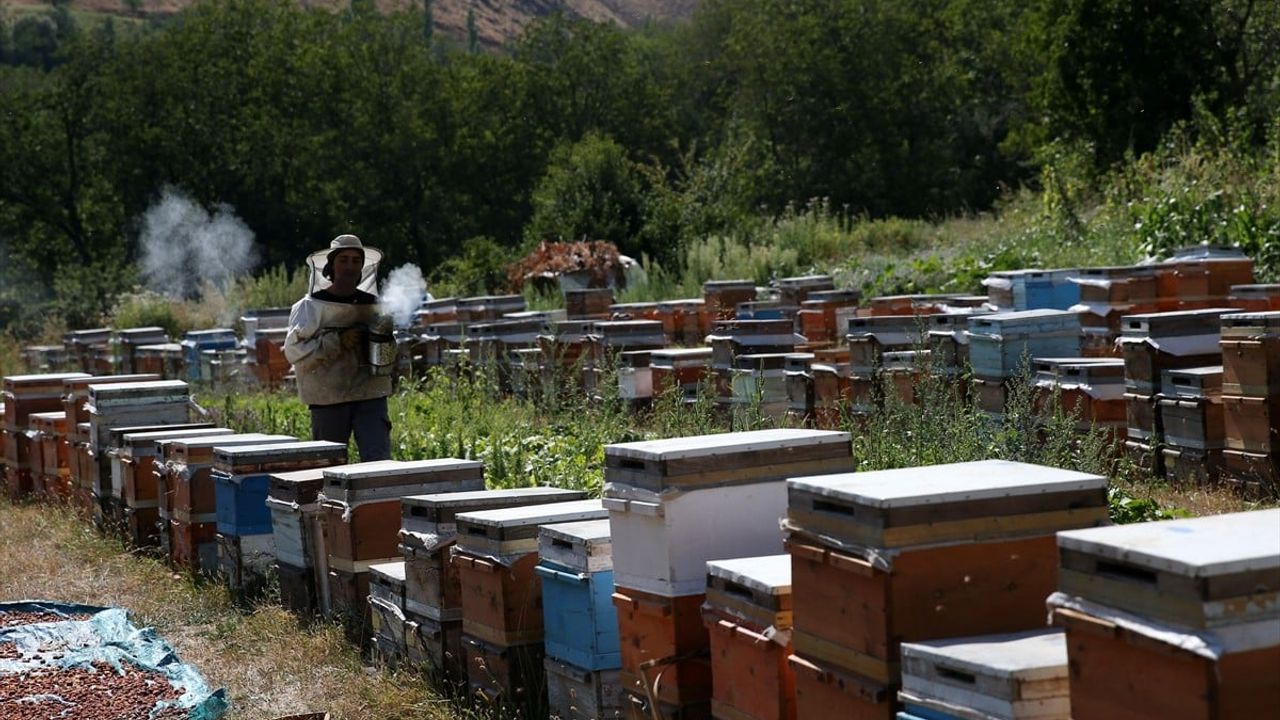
1166, 324
139, 392
138, 440
281, 452
534, 515
580, 532
82, 383
941, 484
1024, 656
391, 479
482, 499
702, 446
769, 574
397, 468
118, 433
388, 571
1194, 547
672, 354
215, 440
41, 379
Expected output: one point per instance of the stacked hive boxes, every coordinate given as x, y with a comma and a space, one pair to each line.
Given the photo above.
24, 395
297, 534
1017, 676
823, 315
1251, 401
386, 611
1190, 407
115, 405
438, 310
581, 625
609, 339
128, 341
1106, 295
1192, 284
758, 382
684, 322
731, 338
798, 380
197, 341
84, 468
792, 291
361, 508
635, 376
487, 308
242, 483
49, 468
833, 396
433, 589
722, 297
1255, 298
1192, 603
748, 616
882, 558
680, 370
1151, 344
1089, 389
163, 359
673, 506
588, 304
146, 522
1017, 290
767, 310
186, 486
502, 618
82, 345
1002, 346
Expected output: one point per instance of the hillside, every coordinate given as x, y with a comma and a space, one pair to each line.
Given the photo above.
497, 21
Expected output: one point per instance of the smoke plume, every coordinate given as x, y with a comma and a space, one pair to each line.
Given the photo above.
402, 294
183, 245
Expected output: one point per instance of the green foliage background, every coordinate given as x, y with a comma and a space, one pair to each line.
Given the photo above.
906, 145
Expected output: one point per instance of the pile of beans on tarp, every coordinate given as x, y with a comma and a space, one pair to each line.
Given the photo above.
77, 662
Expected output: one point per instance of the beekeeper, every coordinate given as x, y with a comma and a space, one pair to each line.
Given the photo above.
326, 343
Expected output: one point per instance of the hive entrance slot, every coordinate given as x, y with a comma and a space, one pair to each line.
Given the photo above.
1127, 572
956, 675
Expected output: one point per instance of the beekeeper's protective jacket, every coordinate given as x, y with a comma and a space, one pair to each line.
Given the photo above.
327, 372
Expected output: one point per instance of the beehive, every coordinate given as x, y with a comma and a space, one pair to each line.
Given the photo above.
576, 570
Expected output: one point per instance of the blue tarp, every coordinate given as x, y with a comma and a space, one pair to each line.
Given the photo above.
106, 636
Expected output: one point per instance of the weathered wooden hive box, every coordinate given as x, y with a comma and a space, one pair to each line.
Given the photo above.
1091, 388
496, 553
386, 605
361, 508
870, 337
797, 372
22, 396
635, 377
1000, 344
591, 303
684, 322
160, 402
818, 318
1255, 298
428, 529
1194, 603
730, 338
722, 297
795, 290
680, 370
135, 460
1155, 342
760, 378
1015, 676
675, 504
880, 558
188, 470
576, 571
748, 615
297, 534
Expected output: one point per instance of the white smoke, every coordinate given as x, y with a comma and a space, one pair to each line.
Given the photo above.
402, 294
183, 245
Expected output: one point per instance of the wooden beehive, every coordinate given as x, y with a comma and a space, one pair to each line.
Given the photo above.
1000, 344
681, 370
1003, 677
795, 290
1254, 475
1255, 298
722, 297
1191, 408
297, 533
1192, 602
574, 693
588, 303
242, 479
892, 556
428, 529
730, 338
1200, 573
1155, 342
159, 402
870, 337
1252, 424
635, 377
677, 503
507, 676
496, 553
1251, 354
576, 571
665, 635
188, 471
1090, 388
748, 616
827, 691
437, 647
386, 602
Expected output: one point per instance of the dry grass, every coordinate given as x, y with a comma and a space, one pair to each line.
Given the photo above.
1195, 500
269, 664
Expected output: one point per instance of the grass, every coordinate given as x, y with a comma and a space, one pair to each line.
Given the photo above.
270, 663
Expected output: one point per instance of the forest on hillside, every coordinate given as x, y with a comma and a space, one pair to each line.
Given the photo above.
299, 124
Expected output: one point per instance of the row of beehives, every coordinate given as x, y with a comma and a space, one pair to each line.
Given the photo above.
876, 559
215, 356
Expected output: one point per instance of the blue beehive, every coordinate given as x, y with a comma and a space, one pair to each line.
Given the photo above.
576, 567
197, 341
242, 479
1050, 290
999, 344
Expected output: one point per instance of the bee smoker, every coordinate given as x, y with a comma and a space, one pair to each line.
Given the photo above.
382, 346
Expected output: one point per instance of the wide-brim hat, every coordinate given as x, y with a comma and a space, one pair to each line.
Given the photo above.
318, 259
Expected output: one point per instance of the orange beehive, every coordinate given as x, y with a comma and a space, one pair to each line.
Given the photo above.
748, 614
501, 604
664, 636
825, 691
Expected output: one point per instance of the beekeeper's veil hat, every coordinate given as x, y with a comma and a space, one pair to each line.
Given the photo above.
321, 273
